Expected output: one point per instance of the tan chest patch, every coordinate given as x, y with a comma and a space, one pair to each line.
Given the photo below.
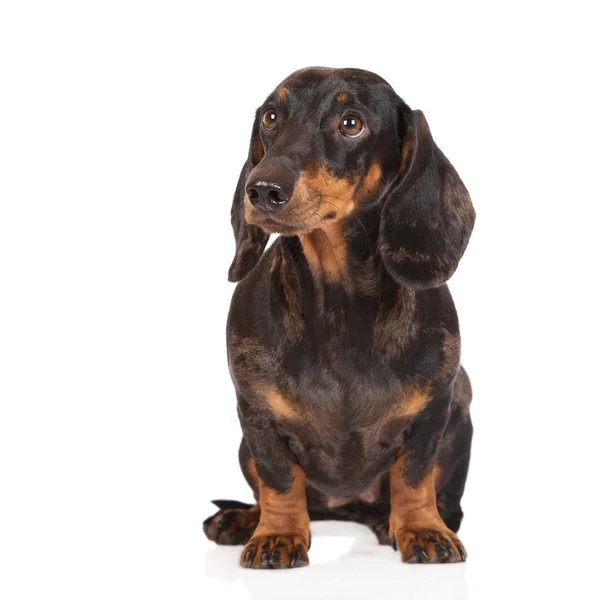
326, 252
324, 243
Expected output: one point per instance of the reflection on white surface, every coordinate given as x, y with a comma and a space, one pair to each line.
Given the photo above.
346, 563
330, 547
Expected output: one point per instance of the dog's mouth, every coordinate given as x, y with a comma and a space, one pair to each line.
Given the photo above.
289, 220
271, 225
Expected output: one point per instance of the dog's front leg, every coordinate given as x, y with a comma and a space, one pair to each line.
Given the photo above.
282, 537
416, 527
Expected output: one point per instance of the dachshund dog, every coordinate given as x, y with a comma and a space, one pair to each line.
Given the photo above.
342, 337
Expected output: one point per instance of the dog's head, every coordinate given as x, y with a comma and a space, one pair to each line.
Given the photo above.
331, 142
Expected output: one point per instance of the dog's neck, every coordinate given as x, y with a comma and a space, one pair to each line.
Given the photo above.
326, 251
329, 282
343, 255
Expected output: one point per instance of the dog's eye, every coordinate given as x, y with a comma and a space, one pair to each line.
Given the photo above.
269, 119
351, 126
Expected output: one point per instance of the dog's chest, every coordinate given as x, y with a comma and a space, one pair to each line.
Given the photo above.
347, 426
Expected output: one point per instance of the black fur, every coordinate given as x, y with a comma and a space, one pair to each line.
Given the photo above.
345, 323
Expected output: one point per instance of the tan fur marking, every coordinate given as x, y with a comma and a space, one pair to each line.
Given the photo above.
324, 242
411, 505
370, 183
282, 512
410, 403
326, 252
414, 403
318, 193
414, 516
283, 93
283, 518
341, 97
281, 407
334, 193
249, 210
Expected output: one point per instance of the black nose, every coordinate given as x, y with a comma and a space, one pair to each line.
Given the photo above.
267, 195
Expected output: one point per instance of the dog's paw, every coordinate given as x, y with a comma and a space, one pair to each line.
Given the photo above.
275, 552
232, 526
429, 545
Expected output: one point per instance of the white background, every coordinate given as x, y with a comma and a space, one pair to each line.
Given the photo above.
123, 126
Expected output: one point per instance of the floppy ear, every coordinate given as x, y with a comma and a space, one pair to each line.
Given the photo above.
250, 240
427, 218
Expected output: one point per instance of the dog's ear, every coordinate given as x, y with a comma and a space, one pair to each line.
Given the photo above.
427, 217
250, 240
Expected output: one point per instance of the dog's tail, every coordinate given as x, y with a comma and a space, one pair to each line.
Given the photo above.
225, 504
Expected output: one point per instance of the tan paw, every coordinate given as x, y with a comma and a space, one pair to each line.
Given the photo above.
428, 545
275, 552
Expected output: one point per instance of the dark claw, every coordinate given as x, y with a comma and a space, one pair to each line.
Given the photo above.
461, 551
274, 558
264, 558
248, 558
421, 553
442, 553
295, 557
394, 545
298, 558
